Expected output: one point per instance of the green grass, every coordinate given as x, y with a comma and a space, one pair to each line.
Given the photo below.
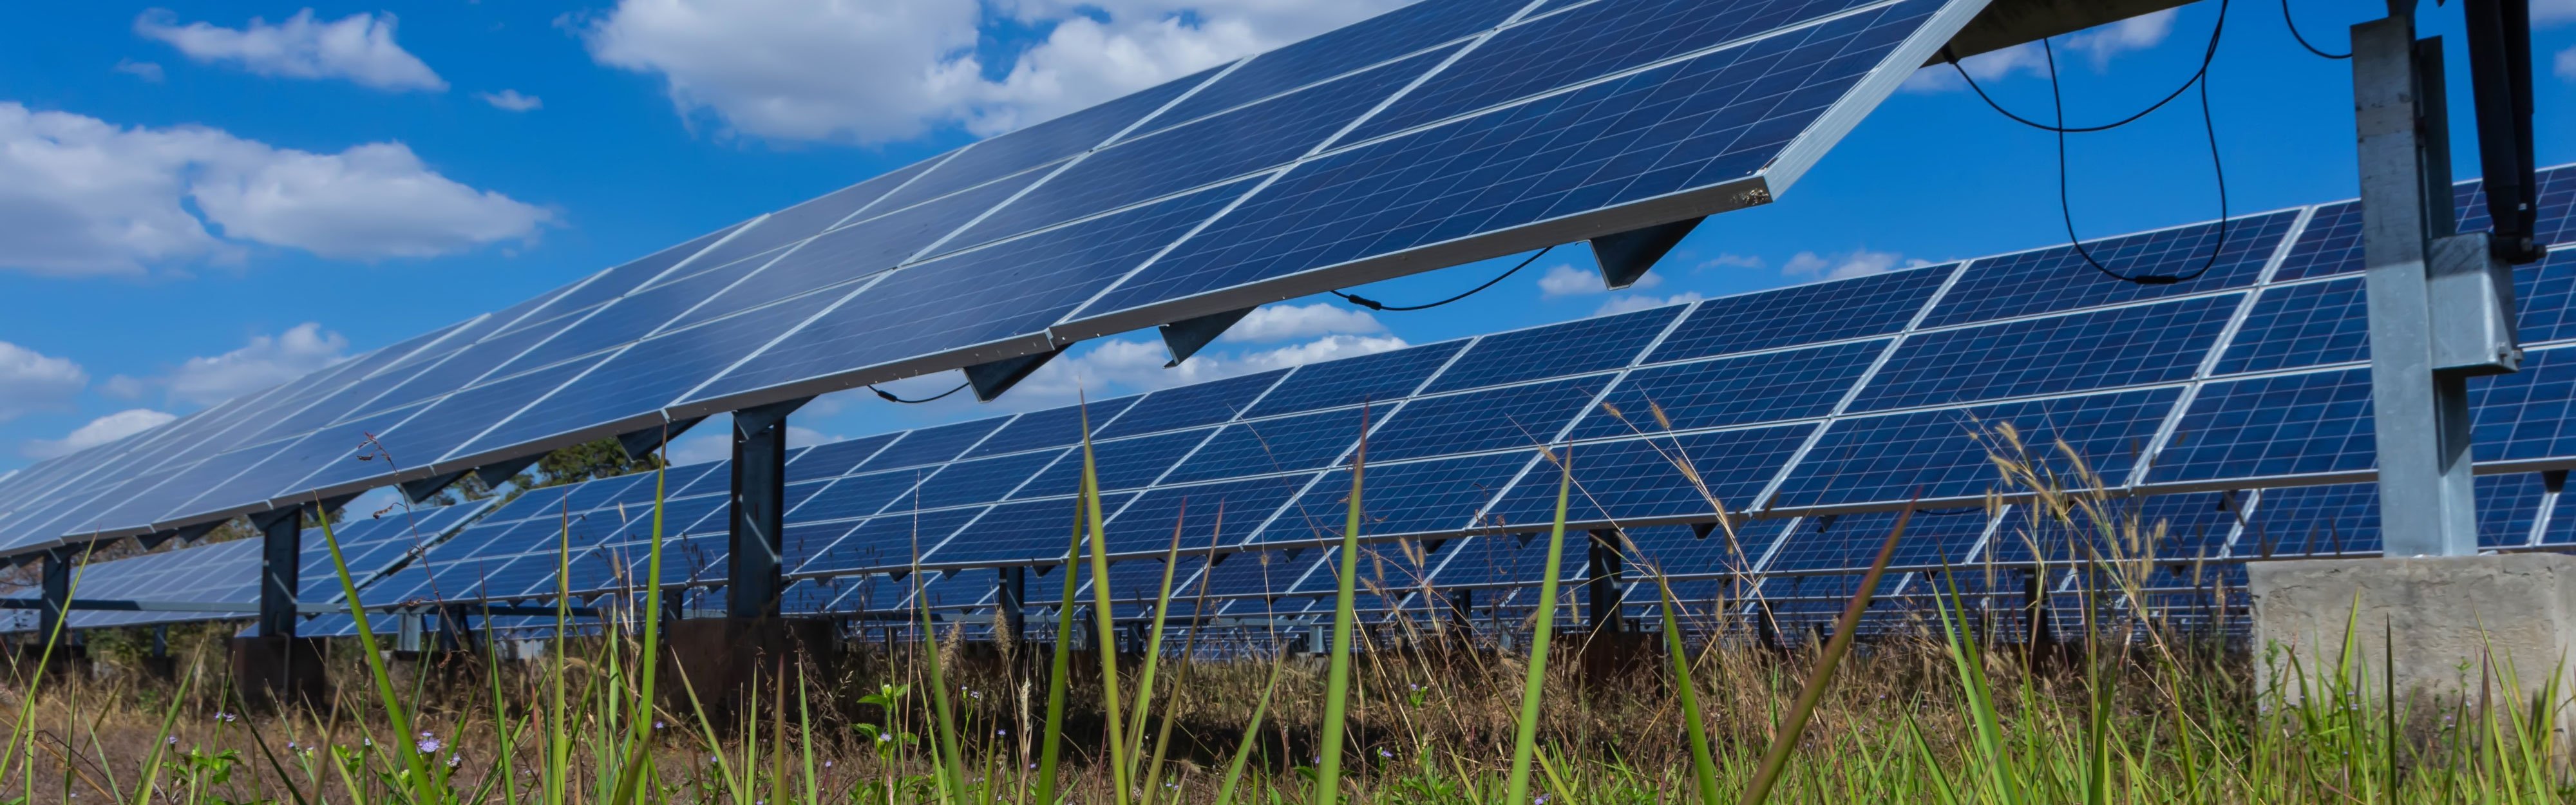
1942, 714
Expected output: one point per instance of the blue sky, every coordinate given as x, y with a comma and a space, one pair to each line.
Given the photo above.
198, 200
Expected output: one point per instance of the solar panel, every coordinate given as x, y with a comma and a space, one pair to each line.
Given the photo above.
1130, 212
228, 573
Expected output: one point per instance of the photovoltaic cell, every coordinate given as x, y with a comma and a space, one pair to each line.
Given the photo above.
2544, 295
2050, 280
1406, 29
931, 445
810, 218
1016, 288
1119, 464
1851, 541
1039, 144
1258, 574
862, 495
1054, 427
2507, 507
1410, 498
2124, 346
851, 252
1383, 378
644, 378
1585, 43
2527, 414
1237, 143
609, 284
1019, 531
836, 458
1699, 123
1492, 419
982, 480
2286, 425
2309, 520
1681, 549
1826, 311
2302, 325
1305, 442
1944, 453
1190, 406
891, 541
1731, 391
1575, 347
1643, 479
1199, 511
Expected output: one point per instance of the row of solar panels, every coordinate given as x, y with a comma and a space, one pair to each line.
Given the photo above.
1830, 380
1440, 133
227, 574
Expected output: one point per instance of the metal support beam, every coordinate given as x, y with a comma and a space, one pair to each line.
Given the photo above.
759, 509
420, 490
57, 590
281, 568
1602, 590
642, 443
1010, 598
501, 473
2427, 504
991, 379
1186, 337
1625, 257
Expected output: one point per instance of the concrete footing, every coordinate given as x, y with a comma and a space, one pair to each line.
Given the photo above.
720, 660
2443, 627
270, 671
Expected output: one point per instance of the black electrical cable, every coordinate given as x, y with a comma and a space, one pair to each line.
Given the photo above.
2066, 209
2199, 78
1373, 304
2303, 40
889, 397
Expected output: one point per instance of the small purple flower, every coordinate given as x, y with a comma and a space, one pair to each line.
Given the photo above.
429, 744
1381, 752
224, 717
172, 740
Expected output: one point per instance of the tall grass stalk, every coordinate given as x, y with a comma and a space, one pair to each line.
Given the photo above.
1104, 617
1525, 734
1337, 679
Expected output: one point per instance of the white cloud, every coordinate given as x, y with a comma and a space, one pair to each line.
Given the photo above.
266, 361
2098, 44
511, 100
32, 381
1120, 366
359, 48
99, 431
798, 436
2549, 11
1285, 322
1629, 302
2567, 64
1732, 261
1566, 280
148, 71
780, 69
1854, 263
125, 387
79, 195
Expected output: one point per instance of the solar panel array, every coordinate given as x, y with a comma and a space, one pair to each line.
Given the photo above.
1440, 133
228, 573
2233, 407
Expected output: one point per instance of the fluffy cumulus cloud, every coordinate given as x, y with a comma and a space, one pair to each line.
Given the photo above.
1854, 263
1566, 280
2097, 46
358, 48
509, 100
780, 69
2567, 64
1273, 323
1630, 302
32, 381
79, 195
99, 431
265, 361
